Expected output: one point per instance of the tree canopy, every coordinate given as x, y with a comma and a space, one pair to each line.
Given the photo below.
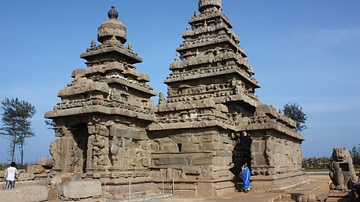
355, 154
16, 126
294, 111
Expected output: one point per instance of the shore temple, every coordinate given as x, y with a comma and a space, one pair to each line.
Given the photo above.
195, 139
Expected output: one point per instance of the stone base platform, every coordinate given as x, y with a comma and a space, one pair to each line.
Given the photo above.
196, 189
278, 182
317, 185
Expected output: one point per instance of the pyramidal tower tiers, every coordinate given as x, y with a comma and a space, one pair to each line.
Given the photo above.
103, 114
195, 140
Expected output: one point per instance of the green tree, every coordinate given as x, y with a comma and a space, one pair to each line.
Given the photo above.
16, 124
355, 154
294, 111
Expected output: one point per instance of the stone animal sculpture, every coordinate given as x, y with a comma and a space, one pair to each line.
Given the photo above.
341, 167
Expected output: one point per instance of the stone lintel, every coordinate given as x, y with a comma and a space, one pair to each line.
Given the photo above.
245, 98
189, 125
98, 109
106, 51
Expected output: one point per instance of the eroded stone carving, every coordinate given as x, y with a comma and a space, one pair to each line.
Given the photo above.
341, 167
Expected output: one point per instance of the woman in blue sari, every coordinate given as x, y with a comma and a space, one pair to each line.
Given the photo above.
246, 178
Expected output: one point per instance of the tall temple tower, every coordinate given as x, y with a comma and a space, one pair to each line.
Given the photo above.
212, 122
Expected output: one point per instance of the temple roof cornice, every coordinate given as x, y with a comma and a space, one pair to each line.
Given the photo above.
106, 51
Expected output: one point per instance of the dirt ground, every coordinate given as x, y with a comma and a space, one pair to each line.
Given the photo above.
323, 191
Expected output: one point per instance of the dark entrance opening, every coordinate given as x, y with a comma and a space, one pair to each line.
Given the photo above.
80, 134
241, 154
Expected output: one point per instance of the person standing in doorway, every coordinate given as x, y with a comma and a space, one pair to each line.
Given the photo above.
10, 176
246, 178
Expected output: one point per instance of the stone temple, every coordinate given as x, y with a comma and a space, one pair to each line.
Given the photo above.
195, 140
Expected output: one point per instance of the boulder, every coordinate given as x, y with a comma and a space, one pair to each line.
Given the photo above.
26, 176
35, 169
46, 162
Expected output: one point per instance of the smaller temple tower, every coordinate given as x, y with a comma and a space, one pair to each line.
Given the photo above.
103, 114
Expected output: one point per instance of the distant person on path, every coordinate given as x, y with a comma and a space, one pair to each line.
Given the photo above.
246, 178
10, 176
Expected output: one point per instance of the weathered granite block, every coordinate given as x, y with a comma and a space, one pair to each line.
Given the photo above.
189, 147
170, 161
210, 138
36, 169
202, 160
46, 162
26, 176
80, 189
194, 170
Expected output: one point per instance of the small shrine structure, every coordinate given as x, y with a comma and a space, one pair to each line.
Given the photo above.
195, 140
102, 118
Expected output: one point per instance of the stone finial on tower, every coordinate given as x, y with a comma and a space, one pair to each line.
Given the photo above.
113, 14
112, 30
205, 4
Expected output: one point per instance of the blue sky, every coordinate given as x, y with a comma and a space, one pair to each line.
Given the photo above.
305, 52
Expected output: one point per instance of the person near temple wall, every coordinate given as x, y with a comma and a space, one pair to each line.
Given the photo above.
10, 176
246, 178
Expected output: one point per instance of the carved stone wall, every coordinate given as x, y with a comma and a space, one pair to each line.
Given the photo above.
273, 153
199, 155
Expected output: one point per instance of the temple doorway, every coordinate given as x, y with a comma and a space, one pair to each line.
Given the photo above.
241, 154
80, 134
